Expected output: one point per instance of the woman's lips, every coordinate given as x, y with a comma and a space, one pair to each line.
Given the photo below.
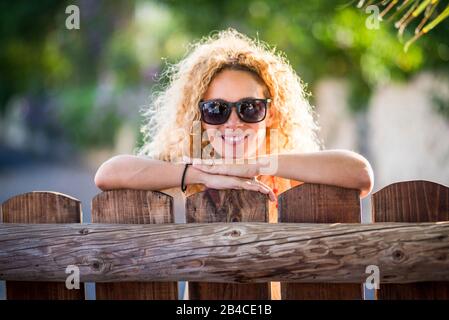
232, 140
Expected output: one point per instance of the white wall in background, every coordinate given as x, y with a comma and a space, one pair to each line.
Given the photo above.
409, 139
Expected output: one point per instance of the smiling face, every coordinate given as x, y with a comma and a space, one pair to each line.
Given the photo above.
236, 138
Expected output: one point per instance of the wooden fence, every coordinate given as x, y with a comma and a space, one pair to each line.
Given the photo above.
227, 250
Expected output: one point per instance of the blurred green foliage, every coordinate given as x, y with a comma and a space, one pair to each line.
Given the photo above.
84, 120
25, 54
322, 39
123, 45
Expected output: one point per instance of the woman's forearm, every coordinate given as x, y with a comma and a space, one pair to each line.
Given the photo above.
134, 172
334, 167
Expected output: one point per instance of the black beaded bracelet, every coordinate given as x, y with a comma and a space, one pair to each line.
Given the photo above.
183, 186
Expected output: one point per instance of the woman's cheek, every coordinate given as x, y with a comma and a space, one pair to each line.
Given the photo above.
256, 139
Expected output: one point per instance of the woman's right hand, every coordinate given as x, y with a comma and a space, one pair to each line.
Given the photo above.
216, 181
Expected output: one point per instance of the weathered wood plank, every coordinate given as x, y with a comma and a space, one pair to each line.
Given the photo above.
41, 207
227, 206
412, 201
316, 203
136, 207
226, 252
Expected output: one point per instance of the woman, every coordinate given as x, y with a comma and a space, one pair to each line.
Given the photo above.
237, 111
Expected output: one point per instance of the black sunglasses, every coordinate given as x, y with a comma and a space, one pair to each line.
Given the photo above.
218, 111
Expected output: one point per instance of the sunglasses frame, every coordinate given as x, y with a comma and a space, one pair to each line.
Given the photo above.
237, 105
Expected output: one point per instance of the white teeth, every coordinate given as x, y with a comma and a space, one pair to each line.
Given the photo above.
233, 139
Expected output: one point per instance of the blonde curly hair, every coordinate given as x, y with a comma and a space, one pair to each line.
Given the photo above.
174, 109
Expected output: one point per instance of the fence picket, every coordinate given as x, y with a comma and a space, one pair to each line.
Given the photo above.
41, 207
227, 206
412, 201
315, 203
134, 207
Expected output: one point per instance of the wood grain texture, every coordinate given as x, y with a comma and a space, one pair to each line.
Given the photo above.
227, 206
134, 207
243, 252
315, 203
41, 207
412, 201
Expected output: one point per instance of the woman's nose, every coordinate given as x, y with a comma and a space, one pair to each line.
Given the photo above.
233, 120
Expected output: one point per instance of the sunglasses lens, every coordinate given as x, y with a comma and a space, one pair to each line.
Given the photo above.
214, 112
253, 110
